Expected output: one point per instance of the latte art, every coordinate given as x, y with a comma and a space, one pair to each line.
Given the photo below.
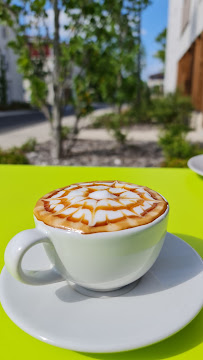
100, 206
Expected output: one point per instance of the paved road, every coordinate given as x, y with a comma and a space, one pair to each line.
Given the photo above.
15, 120
11, 122
24, 118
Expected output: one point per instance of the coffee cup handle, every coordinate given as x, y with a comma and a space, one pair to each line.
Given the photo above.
16, 249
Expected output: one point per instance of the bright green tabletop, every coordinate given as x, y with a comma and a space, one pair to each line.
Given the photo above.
21, 186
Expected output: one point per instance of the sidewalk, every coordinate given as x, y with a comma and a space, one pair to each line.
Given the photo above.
139, 134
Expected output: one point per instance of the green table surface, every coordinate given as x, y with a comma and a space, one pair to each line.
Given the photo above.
21, 186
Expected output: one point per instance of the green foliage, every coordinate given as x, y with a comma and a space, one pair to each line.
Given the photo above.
81, 96
109, 52
172, 109
32, 69
176, 146
119, 124
17, 155
116, 124
188, 150
103, 121
13, 156
173, 112
100, 56
175, 163
161, 41
119, 136
103, 42
29, 145
157, 91
65, 131
141, 112
39, 91
133, 115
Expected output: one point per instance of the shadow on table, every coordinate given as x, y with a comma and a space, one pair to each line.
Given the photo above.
185, 340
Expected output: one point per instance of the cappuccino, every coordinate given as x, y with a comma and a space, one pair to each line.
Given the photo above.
100, 206
95, 212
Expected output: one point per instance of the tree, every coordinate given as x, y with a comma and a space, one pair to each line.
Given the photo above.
56, 119
140, 5
114, 55
161, 41
26, 18
99, 55
119, 51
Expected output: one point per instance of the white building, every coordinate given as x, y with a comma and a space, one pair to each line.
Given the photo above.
14, 79
155, 81
184, 52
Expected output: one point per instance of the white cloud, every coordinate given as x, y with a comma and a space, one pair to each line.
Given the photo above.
40, 25
143, 32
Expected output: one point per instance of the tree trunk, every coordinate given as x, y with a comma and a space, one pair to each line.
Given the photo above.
73, 136
75, 129
119, 84
119, 108
56, 148
138, 95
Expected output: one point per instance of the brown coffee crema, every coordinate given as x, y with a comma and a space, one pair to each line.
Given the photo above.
100, 206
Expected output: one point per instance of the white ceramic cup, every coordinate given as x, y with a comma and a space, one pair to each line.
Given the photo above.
102, 261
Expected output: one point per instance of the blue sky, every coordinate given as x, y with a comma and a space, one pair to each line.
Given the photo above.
154, 20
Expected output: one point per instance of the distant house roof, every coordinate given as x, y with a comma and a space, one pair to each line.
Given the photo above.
35, 52
156, 76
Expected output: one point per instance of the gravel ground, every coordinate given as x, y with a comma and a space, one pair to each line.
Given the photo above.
102, 153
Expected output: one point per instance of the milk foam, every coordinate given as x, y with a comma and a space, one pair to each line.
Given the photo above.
96, 203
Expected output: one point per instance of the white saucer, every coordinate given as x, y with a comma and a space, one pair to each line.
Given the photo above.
165, 300
196, 164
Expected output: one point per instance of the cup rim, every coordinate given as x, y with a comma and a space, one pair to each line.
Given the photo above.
135, 229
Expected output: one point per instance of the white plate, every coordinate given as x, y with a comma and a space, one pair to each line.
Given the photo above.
196, 164
166, 299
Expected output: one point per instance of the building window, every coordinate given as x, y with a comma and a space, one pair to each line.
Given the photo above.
185, 14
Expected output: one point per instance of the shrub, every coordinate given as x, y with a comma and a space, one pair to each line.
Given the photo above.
176, 146
29, 145
140, 115
114, 123
13, 156
17, 155
105, 121
173, 112
172, 109
65, 130
175, 163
